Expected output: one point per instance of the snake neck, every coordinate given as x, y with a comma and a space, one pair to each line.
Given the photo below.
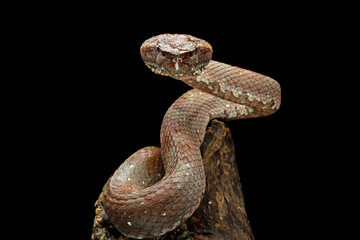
238, 85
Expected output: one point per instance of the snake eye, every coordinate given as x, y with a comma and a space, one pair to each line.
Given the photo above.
162, 53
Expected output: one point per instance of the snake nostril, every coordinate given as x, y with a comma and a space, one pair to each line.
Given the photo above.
177, 59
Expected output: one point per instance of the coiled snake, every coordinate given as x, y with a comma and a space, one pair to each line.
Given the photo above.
156, 189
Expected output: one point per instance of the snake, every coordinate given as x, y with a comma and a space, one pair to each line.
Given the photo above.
157, 189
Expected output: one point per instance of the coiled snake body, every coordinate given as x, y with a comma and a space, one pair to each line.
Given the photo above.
155, 189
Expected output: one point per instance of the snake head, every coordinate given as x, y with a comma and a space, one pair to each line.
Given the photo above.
176, 55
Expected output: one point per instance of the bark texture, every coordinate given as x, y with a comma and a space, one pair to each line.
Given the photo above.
221, 214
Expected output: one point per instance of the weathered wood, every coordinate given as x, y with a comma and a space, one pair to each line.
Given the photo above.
221, 214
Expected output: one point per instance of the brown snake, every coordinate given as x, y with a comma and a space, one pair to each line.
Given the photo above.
155, 189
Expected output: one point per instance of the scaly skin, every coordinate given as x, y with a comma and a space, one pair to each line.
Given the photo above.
155, 189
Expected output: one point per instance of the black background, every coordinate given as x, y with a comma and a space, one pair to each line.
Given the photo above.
79, 101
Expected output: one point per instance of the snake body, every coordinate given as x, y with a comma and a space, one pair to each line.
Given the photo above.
156, 189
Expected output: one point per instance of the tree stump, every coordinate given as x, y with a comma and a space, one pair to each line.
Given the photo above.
221, 214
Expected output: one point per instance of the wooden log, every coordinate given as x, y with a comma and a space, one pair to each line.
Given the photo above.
221, 214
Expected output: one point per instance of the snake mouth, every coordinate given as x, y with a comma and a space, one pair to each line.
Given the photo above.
157, 69
174, 69
179, 68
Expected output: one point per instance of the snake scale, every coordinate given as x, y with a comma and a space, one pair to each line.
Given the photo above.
156, 189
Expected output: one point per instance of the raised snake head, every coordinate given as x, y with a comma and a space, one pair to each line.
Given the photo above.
176, 55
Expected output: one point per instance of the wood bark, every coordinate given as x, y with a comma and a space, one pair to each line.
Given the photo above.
221, 214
